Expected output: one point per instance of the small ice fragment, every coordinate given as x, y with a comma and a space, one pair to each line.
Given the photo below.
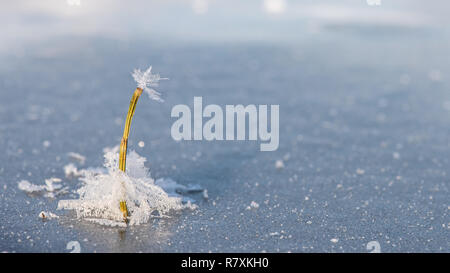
141, 144
274, 233
253, 205
50, 186
27, 187
170, 186
46, 143
106, 222
191, 188
396, 155
334, 240
360, 171
81, 159
205, 194
70, 170
187, 200
279, 164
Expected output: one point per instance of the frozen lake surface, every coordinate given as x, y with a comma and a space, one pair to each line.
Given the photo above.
364, 130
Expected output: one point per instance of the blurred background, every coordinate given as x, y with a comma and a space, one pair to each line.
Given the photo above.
363, 89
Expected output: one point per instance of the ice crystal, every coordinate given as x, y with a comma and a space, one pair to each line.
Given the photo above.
146, 80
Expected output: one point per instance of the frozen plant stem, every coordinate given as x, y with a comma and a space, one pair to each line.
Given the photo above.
124, 144
145, 81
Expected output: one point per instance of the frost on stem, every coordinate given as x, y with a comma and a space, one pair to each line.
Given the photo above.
146, 80
102, 190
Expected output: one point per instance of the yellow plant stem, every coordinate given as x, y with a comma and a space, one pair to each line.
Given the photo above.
124, 144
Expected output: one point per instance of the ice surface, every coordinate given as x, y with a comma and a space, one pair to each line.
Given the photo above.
352, 92
101, 192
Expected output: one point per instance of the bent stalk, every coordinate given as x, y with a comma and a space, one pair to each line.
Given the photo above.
124, 144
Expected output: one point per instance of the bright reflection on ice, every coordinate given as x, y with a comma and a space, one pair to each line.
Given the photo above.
274, 6
73, 2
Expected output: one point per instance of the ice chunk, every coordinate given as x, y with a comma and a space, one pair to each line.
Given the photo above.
279, 164
173, 187
205, 194
49, 189
50, 186
27, 187
81, 159
46, 143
